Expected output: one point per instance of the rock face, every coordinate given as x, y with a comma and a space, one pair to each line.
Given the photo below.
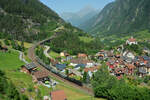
121, 16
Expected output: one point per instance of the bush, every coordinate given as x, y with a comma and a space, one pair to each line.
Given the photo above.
6, 42
8, 89
148, 83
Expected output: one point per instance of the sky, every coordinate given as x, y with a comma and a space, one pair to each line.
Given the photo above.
61, 6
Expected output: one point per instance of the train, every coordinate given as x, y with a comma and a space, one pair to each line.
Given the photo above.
58, 73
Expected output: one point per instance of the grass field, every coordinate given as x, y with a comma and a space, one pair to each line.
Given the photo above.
86, 39
54, 54
10, 64
10, 61
73, 93
26, 44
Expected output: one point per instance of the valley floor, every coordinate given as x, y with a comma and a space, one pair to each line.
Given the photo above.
10, 64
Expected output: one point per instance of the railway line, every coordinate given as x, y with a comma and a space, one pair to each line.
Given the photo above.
32, 56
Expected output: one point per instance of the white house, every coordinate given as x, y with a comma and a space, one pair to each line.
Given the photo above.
46, 98
131, 41
91, 70
75, 62
89, 64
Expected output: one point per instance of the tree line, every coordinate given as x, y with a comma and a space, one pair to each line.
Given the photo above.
40, 53
70, 42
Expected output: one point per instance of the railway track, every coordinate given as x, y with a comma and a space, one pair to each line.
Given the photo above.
32, 56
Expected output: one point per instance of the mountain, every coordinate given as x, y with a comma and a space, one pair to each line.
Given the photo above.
79, 17
24, 19
120, 16
30, 20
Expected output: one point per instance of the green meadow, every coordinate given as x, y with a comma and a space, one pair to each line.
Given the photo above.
10, 64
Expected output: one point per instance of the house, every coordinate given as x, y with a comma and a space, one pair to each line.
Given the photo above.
54, 62
46, 98
146, 50
117, 55
130, 68
148, 68
141, 71
146, 58
144, 62
91, 70
4, 49
41, 76
102, 52
100, 56
82, 55
110, 53
64, 54
111, 64
120, 48
131, 41
68, 58
119, 72
61, 67
74, 72
80, 66
87, 62
58, 95
29, 68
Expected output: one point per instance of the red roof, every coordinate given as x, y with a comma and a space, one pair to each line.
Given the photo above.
145, 62
5, 47
40, 74
101, 55
132, 40
58, 95
82, 55
111, 66
102, 50
92, 69
130, 66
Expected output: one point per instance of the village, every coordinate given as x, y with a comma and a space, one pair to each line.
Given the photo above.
81, 67
120, 61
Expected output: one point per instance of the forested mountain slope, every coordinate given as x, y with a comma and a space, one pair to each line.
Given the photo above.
30, 20
121, 16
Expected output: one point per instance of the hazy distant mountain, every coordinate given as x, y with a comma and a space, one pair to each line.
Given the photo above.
79, 17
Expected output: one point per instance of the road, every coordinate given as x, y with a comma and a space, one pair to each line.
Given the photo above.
32, 56
21, 57
46, 52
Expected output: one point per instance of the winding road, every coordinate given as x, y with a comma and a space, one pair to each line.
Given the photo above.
32, 56
22, 58
46, 52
